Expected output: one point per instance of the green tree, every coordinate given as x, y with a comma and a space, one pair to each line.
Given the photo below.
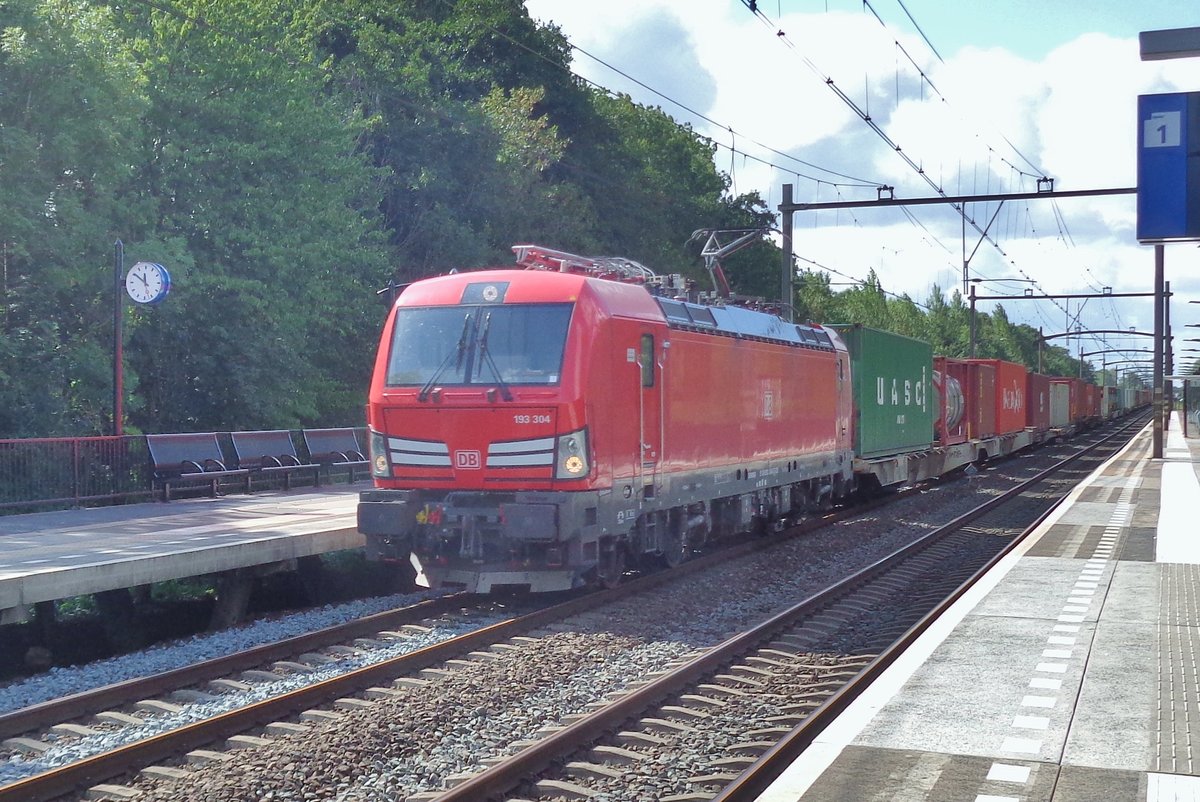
263, 211
815, 299
70, 100
866, 304
948, 323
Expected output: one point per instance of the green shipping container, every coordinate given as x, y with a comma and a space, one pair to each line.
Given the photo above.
892, 382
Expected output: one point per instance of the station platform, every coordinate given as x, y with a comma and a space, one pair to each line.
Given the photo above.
1068, 674
56, 555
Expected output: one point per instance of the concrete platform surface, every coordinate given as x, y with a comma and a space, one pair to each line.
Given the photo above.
55, 555
1069, 673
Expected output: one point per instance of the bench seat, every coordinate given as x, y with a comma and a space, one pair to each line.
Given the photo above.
272, 453
336, 449
190, 458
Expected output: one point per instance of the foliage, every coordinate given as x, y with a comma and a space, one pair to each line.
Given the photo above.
69, 105
287, 161
944, 323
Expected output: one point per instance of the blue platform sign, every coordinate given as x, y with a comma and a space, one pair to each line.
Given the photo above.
1168, 188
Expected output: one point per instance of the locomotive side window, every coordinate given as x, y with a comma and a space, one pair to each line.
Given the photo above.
675, 311
478, 344
647, 360
701, 315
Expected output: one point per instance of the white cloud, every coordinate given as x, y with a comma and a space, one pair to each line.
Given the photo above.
1071, 113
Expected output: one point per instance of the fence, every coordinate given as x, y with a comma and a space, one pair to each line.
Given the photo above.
66, 472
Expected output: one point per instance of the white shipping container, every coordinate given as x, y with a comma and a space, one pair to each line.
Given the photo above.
1060, 405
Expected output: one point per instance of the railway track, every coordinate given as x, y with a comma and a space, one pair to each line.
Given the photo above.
738, 714
336, 701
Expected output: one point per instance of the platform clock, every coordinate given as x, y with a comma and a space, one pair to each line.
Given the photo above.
147, 283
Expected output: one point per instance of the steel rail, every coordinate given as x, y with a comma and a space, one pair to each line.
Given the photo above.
77, 776
54, 711
121, 761
756, 778
501, 779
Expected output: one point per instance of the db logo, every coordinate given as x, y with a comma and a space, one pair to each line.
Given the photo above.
468, 460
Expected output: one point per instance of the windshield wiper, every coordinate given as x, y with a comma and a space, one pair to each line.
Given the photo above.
457, 355
486, 356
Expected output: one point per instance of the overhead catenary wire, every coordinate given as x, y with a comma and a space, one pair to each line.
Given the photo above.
927, 81
866, 116
781, 36
858, 182
1064, 229
859, 281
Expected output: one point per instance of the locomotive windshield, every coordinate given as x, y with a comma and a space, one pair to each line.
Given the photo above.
484, 344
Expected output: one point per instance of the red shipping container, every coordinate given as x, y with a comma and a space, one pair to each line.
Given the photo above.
949, 378
1037, 402
1087, 393
1010, 391
1092, 395
980, 391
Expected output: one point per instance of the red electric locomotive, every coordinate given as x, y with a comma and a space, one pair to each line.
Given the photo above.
541, 428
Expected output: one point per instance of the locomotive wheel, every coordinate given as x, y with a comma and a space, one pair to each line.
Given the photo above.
676, 551
611, 568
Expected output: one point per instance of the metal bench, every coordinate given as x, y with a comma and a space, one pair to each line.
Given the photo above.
190, 459
335, 449
271, 453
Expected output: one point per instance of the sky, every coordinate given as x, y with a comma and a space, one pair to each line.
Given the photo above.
970, 97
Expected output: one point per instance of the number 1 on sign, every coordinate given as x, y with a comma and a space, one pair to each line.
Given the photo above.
1162, 130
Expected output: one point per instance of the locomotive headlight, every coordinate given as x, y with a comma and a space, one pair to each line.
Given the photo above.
377, 446
572, 460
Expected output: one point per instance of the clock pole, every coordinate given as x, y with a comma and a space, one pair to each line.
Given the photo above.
118, 355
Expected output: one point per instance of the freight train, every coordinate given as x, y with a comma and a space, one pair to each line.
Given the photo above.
553, 425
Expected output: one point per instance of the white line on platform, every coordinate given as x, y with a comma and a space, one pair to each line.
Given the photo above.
1027, 746
1031, 722
1008, 773
1045, 683
1061, 654
1172, 788
1176, 540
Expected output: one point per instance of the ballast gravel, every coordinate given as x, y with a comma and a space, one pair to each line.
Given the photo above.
412, 742
66, 680
458, 723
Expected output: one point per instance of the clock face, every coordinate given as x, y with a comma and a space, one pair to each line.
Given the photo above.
147, 282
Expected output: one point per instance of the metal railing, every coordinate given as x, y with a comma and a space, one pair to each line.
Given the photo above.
38, 474
72, 472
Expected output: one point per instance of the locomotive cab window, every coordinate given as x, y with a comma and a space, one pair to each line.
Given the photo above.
647, 360
478, 344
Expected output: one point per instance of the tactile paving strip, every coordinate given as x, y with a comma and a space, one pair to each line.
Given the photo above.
1178, 673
